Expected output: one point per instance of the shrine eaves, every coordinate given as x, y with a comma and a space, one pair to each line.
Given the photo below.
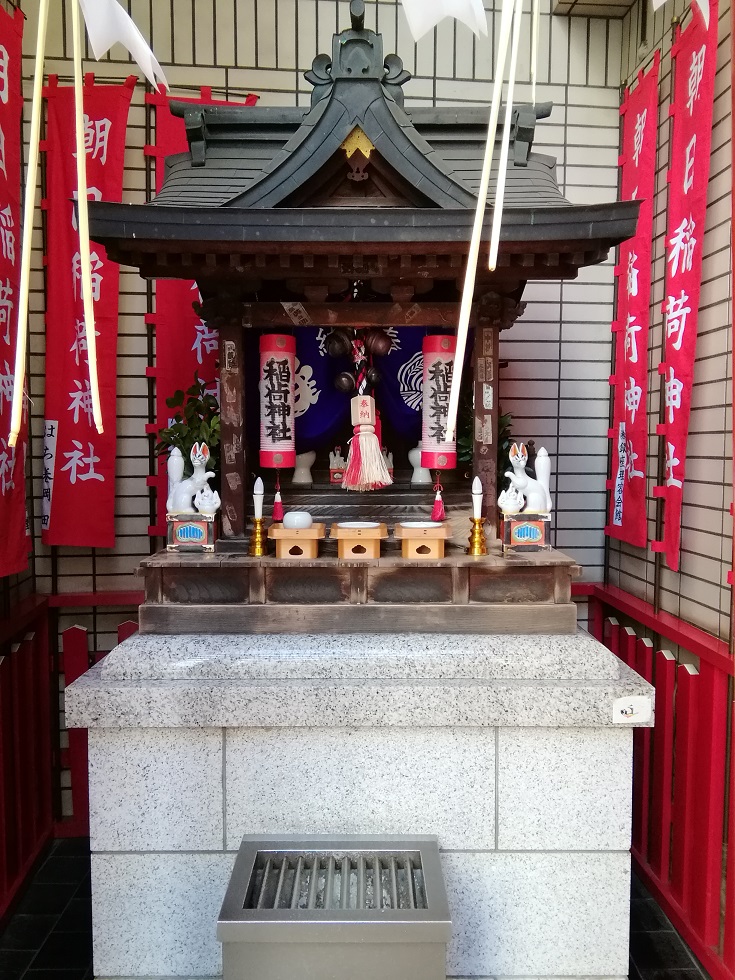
356, 187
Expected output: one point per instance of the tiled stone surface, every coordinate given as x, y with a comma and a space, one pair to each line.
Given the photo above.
155, 789
362, 703
156, 915
429, 781
393, 680
332, 656
538, 914
564, 789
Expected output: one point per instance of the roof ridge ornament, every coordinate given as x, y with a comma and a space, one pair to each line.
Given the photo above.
357, 15
357, 55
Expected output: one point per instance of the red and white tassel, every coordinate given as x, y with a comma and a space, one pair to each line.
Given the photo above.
437, 512
366, 469
277, 503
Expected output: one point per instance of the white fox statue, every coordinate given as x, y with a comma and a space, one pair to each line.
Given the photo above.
535, 492
181, 492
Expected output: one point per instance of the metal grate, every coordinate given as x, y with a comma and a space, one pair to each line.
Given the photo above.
318, 880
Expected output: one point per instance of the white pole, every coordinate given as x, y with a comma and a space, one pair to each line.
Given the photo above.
16, 418
468, 289
86, 263
535, 18
505, 145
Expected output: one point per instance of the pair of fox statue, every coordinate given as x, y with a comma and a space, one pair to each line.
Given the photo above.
194, 495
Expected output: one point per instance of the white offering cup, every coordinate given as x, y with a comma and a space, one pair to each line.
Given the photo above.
297, 520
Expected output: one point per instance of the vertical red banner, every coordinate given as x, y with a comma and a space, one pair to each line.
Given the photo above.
695, 59
185, 346
79, 463
627, 519
13, 539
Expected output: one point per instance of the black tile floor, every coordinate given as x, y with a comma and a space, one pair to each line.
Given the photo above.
49, 935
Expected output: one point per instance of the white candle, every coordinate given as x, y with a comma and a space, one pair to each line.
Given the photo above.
258, 493
477, 498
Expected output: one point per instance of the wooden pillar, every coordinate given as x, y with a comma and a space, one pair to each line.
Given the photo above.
495, 313
232, 429
485, 455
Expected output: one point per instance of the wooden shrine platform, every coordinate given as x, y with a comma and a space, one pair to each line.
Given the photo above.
235, 593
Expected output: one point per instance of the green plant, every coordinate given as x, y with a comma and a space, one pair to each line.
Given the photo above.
196, 420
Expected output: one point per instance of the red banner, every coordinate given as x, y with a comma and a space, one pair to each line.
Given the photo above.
185, 346
630, 426
695, 59
13, 539
79, 463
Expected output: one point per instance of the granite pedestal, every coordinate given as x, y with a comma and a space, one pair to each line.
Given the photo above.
515, 750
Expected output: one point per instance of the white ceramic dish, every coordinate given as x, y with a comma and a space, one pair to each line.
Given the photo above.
358, 525
420, 524
297, 520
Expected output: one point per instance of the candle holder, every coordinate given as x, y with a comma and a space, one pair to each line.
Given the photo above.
478, 544
258, 539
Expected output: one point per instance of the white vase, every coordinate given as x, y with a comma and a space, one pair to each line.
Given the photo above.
420, 477
174, 468
302, 473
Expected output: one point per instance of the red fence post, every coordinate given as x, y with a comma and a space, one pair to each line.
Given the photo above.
612, 635
25, 754
126, 629
728, 946
709, 802
8, 819
76, 663
23, 737
628, 640
685, 762
642, 758
595, 617
663, 766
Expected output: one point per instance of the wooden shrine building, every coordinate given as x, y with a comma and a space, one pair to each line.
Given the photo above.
276, 212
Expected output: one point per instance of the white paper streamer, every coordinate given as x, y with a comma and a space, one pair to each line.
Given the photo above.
423, 15
107, 24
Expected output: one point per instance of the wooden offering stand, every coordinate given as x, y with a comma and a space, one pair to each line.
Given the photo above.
358, 542
297, 543
422, 543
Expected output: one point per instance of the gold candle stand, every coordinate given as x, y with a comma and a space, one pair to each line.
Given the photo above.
257, 539
478, 545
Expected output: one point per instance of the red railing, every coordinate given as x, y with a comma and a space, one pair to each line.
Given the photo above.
26, 812
683, 774
77, 659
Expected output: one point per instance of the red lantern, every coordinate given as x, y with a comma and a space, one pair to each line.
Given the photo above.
277, 401
439, 354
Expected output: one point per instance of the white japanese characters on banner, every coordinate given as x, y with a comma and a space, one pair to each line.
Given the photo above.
277, 387
438, 366
79, 463
14, 543
695, 59
627, 518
